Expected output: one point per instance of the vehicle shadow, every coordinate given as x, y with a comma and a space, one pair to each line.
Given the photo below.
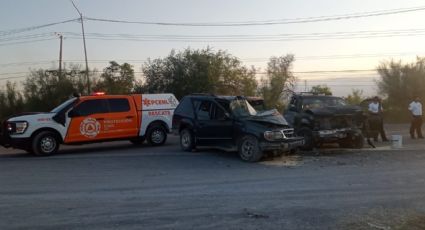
103, 148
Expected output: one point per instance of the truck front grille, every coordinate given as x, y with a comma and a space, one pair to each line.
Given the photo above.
288, 132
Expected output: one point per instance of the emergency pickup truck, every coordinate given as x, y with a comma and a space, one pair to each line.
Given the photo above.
89, 119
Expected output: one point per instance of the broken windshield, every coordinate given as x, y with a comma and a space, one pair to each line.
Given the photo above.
317, 102
241, 108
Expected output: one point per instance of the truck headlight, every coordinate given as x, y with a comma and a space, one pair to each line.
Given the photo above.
273, 135
17, 127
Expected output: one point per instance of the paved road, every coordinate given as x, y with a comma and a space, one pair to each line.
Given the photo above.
119, 186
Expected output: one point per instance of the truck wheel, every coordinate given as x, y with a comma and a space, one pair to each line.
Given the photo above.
156, 135
45, 143
187, 140
308, 138
249, 149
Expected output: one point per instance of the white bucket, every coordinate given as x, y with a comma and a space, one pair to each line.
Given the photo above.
397, 141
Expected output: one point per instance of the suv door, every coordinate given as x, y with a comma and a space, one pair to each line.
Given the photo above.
213, 126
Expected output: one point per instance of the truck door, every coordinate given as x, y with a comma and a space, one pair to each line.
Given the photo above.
98, 119
122, 120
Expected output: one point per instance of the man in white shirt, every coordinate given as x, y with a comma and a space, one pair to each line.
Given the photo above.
415, 108
376, 110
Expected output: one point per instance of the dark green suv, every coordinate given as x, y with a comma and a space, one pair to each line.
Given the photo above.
231, 123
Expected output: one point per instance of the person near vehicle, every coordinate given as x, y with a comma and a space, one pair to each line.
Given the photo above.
376, 111
415, 108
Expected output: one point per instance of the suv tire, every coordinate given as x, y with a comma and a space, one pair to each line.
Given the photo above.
308, 138
45, 143
249, 149
156, 135
187, 140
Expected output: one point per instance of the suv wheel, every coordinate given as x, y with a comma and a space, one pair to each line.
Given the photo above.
156, 135
45, 143
187, 140
249, 149
308, 138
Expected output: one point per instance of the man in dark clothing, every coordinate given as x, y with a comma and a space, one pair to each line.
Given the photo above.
376, 113
415, 108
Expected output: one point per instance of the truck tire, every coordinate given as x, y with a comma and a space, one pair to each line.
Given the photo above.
249, 149
308, 138
45, 143
156, 135
187, 140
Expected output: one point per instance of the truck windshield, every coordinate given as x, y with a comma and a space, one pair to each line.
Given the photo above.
63, 105
313, 103
241, 108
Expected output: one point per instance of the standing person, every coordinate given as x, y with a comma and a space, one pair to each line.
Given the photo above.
415, 108
376, 110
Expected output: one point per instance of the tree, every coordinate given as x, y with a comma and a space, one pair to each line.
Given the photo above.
202, 71
278, 79
44, 90
355, 97
400, 83
321, 89
11, 101
116, 79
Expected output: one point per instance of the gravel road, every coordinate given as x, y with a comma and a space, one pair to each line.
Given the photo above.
119, 186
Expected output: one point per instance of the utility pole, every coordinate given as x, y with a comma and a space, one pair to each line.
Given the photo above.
60, 55
305, 85
85, 50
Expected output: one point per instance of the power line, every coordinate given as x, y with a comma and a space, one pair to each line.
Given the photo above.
248, 59
270, 22
21, 30
295, 72
220, 38
253, 38
25, 42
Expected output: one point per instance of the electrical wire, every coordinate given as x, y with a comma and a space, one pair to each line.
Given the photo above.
25, 42
21, 30
269, 22
250, 38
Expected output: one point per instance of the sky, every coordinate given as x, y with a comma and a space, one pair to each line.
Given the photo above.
359, 44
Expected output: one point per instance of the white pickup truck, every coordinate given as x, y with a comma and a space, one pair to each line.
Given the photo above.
94, 118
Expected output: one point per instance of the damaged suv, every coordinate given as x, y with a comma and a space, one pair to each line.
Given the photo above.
325, 119
231, 123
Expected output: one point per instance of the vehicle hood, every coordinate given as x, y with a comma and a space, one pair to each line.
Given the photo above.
335, 110
268, 117
32, 116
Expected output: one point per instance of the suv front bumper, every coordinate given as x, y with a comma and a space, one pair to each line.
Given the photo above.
284, 145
